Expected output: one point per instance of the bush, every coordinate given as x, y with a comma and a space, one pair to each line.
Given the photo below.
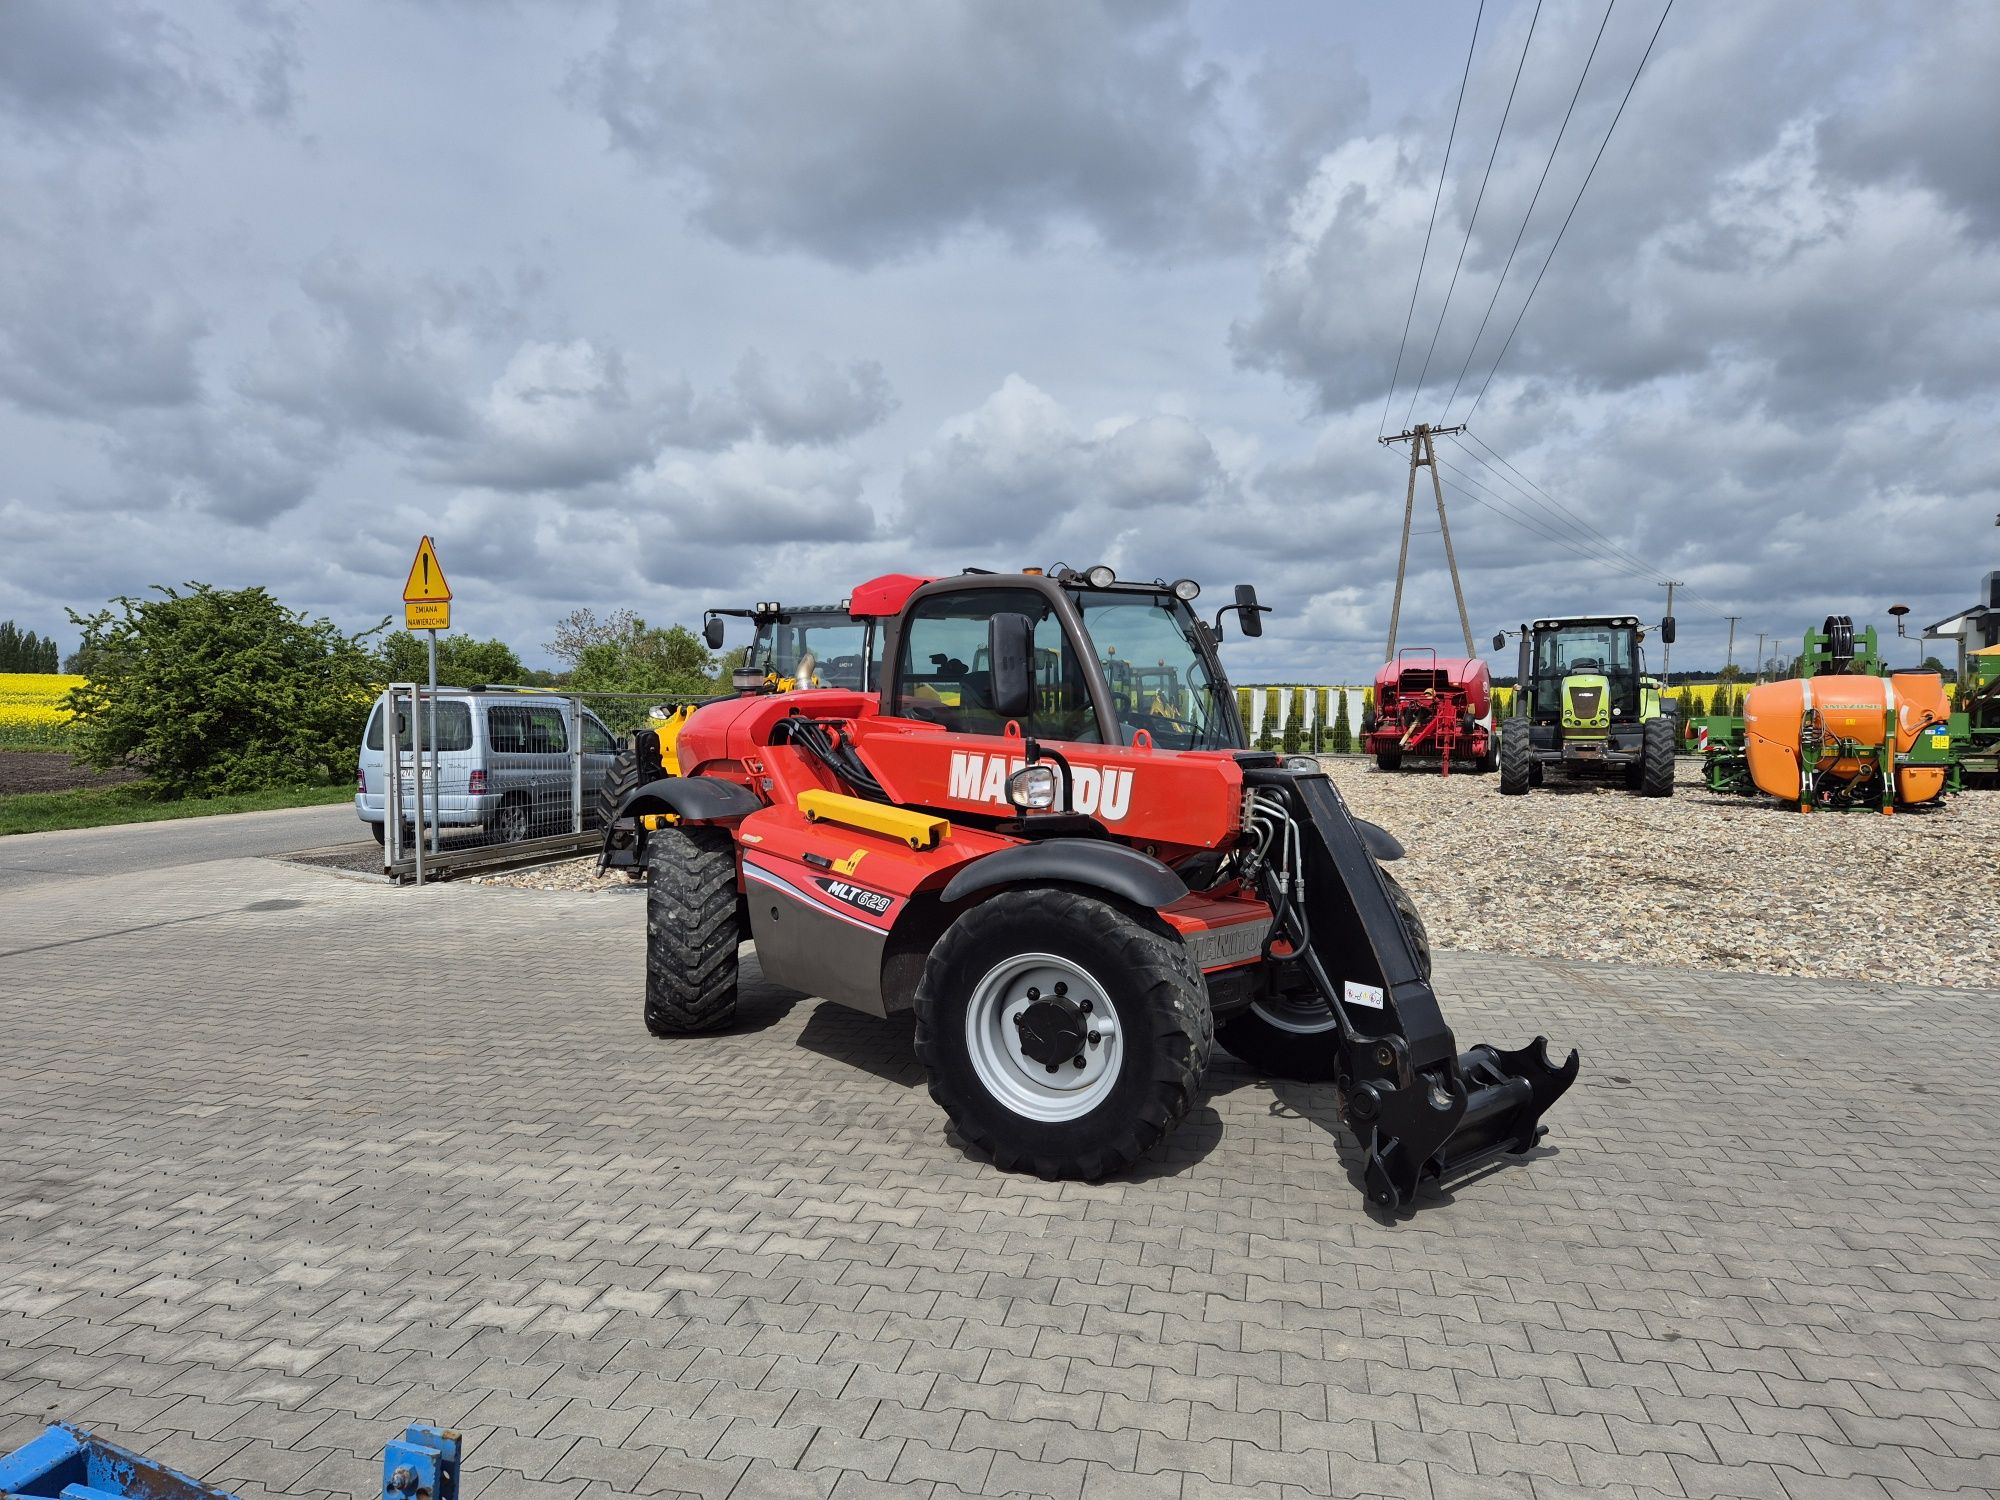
216, 691
1343, 731
646, 659
462, 661
1295, 720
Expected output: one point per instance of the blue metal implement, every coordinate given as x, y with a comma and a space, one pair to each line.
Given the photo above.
67, 1463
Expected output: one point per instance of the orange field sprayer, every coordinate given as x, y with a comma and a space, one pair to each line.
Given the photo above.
1041, 830
1842, 734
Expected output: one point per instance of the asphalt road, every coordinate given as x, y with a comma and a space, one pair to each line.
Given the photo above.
29, 858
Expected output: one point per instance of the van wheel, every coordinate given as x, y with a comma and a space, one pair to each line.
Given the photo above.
1294, 1035
514, 821
1060, 1034
381, 832
692, 929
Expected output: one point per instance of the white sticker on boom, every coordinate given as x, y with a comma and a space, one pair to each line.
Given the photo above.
1364, 994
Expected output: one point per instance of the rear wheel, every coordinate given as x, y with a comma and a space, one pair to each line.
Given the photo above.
1656, 764
1516, 758
1295, 1036
381, 832
692, 930
514, 821
1389, 760
1062, 1035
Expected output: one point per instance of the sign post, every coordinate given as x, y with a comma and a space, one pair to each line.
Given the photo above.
427, 607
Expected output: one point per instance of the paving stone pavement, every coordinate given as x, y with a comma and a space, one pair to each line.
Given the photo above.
292, 1160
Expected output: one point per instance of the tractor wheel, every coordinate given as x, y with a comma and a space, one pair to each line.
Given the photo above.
692, 930
1389, 760
1516, 758
1061, 1035
1488, 763
1656, 774
1294, 1036
619, 782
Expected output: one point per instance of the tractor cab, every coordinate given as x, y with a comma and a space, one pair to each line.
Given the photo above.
1067, 656
799, 646
1586, 706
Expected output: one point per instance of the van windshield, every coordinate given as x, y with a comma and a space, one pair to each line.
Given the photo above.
447, 726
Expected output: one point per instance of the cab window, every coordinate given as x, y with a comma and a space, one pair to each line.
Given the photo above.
943, 675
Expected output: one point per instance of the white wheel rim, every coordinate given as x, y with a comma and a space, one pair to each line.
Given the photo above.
1026, 1086
1300, 1017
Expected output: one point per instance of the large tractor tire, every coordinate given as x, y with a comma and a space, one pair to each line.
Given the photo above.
1656, 760
1516, 758
1294, 1036
1062, 1036
620, 781
692, 929
1389, 760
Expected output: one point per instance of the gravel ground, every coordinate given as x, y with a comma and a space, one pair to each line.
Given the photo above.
1692, 881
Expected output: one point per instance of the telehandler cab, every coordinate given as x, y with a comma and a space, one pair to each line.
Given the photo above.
1043, 833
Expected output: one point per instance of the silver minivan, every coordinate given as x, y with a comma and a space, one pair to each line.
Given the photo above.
503, 762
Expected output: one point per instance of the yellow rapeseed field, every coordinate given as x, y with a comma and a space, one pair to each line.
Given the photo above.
32, 716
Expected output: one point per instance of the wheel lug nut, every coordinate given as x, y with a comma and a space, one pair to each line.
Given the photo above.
1052, 1067
1084, 1006
1033, 993
1095, 1038
1062, 987
1078, 1059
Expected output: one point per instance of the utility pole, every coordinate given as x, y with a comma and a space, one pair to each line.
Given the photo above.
1760, 654
1667, 648
1423, 454
1729, 659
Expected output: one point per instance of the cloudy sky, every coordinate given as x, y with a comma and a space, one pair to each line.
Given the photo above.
669, 304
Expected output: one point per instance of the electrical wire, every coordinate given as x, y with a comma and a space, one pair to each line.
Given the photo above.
1435, 201
1509, 343
1472, 221
1494, 300
1501, 508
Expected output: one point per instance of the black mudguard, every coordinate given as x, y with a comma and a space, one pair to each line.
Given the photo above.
696, 799
1119, 869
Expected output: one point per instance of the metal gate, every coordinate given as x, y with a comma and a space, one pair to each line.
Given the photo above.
490, 778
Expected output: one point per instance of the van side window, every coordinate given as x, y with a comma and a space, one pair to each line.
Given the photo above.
597, 739
520, 729
449, 724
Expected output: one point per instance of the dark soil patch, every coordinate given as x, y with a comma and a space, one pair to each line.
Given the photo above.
51, 771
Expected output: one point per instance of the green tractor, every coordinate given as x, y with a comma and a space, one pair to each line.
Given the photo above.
1585, 706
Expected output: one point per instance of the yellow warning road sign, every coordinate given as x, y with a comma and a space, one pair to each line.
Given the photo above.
426, 581
427, 614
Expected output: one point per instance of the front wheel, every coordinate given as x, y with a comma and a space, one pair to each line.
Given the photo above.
1295, 1035
1060, 1034
1516, 760
1388, 760
1656, 759
692, 930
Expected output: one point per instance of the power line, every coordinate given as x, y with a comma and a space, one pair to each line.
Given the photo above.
1494, 300
1572, 210
1472, 221
1582, 541
1501, 508
1435, 201
1548, 502
1604, 548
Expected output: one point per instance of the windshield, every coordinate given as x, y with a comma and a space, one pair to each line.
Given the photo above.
1584, 648
1159, 683
833, 649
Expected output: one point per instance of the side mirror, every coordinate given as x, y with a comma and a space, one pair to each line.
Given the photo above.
711, 632
1010, 650
1499, 640
1667, 630
1248, 612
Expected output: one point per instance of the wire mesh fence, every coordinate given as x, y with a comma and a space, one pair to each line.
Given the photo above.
483, 776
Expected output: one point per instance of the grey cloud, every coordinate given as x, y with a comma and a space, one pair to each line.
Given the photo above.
866, 132
821, 404
130, 69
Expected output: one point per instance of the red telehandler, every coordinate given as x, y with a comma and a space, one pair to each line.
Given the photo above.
1043, 832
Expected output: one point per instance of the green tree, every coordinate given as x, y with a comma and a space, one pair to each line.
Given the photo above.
646, 659
10, 646
1295, 720
1322, 697
462, 661
1243, 709
215, 691
25, 651
1343, 729
1267, 729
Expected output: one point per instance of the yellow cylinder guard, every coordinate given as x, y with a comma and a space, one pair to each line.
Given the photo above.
918, 830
